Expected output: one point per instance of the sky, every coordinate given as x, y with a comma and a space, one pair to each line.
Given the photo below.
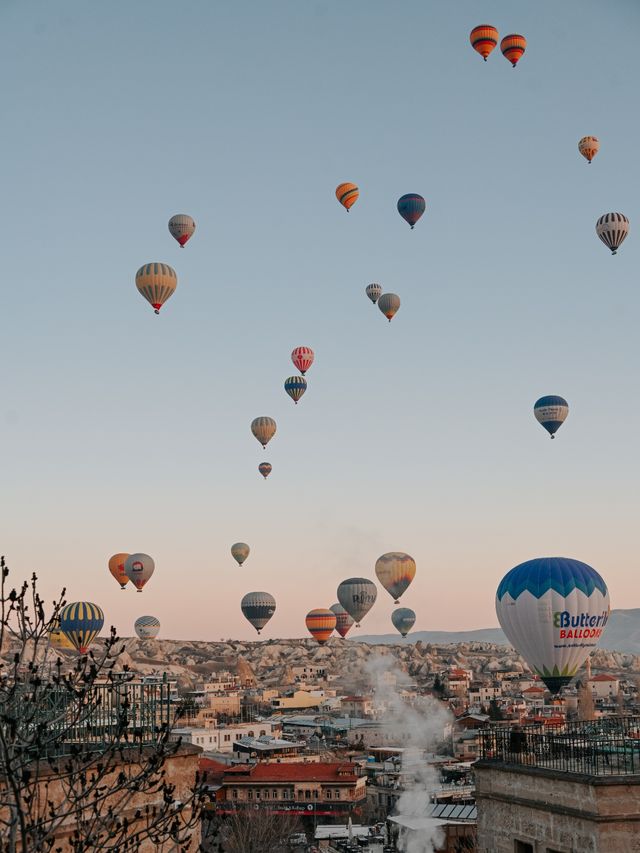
125, 431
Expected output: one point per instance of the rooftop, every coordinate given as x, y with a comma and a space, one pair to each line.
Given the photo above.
312, 772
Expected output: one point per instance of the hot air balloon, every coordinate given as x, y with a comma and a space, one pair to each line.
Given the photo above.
139, 568
411, 207
551, 411
258, 608
181, 228
373, 291
512, 47
116, 567
295, 386
240, 552
588, 147
344, 622
302, 357
264, 429
156, 282
553, 611
58, 640
147, 627
389, 303
395, 571
347, 194
403, 620
612, 229
357, 596
265, 469
484, 39
81, 622
320, 624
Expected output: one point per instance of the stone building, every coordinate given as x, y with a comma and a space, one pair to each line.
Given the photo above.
576, 788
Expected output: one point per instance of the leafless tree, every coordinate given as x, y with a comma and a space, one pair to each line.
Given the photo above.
83, 749
258, 830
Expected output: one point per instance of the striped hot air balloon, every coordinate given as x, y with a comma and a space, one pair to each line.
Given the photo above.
240, 551
156, 282
81, 622
553, 611
263, 429
265, 469
589, 147
389, 304
373, 291
411, 207
258, 608
58, 640
344, 622
320, 624
357, 596
403, 620
181, 228
551, 412
512, 47
484, 39
612, 229
295, 386
302, 358
139, 568
395, 571
147, 627
347, 194
116, 567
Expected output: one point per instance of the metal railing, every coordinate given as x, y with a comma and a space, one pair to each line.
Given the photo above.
606, 747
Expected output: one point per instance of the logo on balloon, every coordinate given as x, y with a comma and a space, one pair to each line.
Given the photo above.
580, 627
137, 566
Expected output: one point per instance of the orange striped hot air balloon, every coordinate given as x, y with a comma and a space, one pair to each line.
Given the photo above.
321, 624
347, 194
484, 38
589, 147
512, 47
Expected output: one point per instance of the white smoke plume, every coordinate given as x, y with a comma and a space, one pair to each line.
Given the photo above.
418, 727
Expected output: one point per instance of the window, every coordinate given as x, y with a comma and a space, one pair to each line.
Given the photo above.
234, 794
307, 794
328, 794
337, 793
274, 794
262, 732
227, 738
249, 794
285, 794
523, 847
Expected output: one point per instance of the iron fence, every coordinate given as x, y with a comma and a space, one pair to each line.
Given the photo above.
606, 747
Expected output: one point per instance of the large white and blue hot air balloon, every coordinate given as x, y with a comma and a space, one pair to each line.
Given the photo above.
551, 412
553, 611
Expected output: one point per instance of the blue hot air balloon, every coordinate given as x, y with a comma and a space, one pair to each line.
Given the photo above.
551, 411
80, 622
411, 207
553, 611
403, 619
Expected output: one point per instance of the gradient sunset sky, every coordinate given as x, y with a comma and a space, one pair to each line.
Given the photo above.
123, 431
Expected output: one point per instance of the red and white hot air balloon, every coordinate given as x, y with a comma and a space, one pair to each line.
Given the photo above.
302, 357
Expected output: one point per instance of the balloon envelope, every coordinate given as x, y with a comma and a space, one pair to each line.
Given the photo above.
395, 571
116, 567
484, 39
139, 568
553, 611
403, 619
263, 429
181, 228
389, 304
295, 386
373, 291
302, 358
357, 596
265, 469
513, 46
612, 229
344, 622
589, 147
240, 552
551, 412
156, 282
81, 622
321, 624
258, 608
347, 194
58, 640
147, 627
411, 207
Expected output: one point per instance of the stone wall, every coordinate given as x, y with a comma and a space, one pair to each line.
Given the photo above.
556, 812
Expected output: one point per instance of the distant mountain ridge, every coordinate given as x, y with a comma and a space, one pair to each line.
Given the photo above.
621, 635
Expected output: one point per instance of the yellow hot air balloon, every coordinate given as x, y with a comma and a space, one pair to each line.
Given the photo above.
395, 571
58, 640
156, 282
264, 429
347, 194
116, 567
